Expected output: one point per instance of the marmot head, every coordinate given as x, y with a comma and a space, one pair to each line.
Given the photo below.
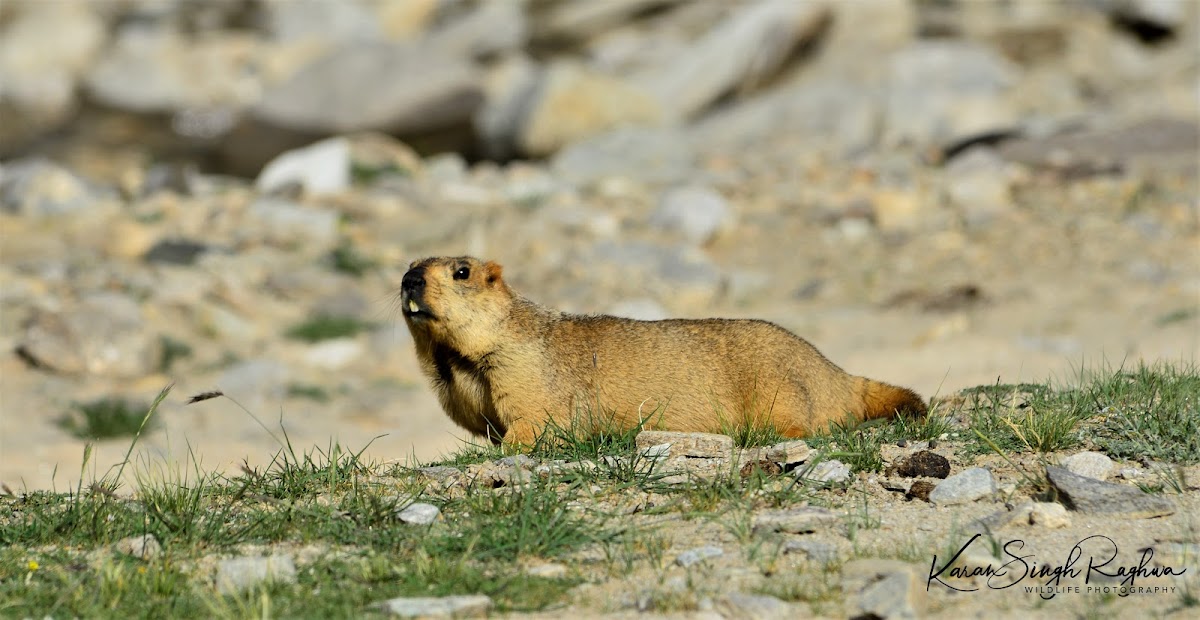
456, 301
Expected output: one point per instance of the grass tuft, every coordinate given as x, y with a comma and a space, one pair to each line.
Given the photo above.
325, 327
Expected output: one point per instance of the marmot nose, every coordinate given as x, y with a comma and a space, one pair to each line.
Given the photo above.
414, 280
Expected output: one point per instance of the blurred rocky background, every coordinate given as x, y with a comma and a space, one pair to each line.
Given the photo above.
223, 194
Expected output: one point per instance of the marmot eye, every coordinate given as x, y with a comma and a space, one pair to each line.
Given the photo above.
462, 274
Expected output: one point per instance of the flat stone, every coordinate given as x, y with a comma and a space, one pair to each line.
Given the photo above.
440, 473
964, 487
1089, 464
572, 102
548, 571
517, 460
826, 471
418, 513
1049, 515
754, 607
795, 520
144, 547
813, 549
1091, 496
469, 606
699, 445
239, 574
697, 555
882, 589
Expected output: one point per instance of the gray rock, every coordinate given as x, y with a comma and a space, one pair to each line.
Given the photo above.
1150, 144
571, 103
1091, 496
786, 453
737, 56
1089, 464
286, 224
831, 471
697, 555
833, 115
418, 513
398, 88
144, 547
649, 155
1169, 15
700, 445
493, 28
40, 188
509, 86
440, 473
570, 21
469, 606
1049, 515
331, 22
754, 607
977, 184
552, 570
517, 460
239, 574
150, 70
795, 520
698, 213
882, 589
320, 168
402, 89
643, 309
105, 336
940, 90
44, 47
814, 550
964, 487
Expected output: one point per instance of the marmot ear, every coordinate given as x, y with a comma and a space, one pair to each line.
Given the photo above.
414, 263
492, 271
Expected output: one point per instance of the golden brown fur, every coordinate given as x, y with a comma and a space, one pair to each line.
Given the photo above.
505, 367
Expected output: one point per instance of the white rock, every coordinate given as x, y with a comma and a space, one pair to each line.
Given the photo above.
1049, 514
697, 555
825, 471
475, 605
1090, 464
697, 212
320, 168
238, 574
334, 354
964, 487
418, 513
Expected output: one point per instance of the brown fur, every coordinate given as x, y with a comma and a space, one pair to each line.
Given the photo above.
505, 367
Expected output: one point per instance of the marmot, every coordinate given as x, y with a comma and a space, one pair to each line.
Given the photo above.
505, 367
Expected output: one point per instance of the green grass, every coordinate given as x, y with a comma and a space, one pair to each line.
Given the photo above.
326, 327
308, 391
1145, 412
105, 418
57, 557
348, 260
859, 445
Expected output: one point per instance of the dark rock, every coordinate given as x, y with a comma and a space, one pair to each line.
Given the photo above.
1091, 496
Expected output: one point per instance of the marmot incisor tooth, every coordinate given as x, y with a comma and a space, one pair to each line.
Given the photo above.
505, 367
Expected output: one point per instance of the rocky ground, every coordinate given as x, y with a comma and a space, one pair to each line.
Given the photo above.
937, 194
